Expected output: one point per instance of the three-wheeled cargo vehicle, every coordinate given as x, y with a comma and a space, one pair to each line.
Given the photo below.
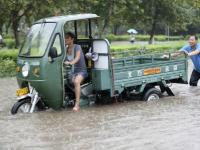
44, 80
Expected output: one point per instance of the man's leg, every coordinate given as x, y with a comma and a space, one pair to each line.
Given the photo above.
194, 78
77, 84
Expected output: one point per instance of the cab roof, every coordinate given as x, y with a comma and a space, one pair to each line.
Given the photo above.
68, 18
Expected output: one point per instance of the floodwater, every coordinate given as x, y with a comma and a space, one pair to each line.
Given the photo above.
172, 123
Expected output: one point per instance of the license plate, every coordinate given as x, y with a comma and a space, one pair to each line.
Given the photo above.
22, 91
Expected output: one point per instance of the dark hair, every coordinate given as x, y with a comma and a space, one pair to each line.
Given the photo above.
72, 35
196, 38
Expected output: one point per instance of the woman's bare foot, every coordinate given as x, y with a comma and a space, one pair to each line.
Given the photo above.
76, 108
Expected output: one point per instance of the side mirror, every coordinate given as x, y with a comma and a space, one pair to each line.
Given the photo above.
53, 52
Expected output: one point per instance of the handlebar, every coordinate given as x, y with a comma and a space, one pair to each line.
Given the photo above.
68, 66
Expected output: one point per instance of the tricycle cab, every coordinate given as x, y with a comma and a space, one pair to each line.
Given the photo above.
40, 60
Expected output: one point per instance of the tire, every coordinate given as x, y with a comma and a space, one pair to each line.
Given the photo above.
103, 98
40, 106
151, 94
23, 106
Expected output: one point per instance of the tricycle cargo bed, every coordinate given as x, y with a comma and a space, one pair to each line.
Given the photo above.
146, 69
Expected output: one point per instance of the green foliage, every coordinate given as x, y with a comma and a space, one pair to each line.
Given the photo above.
8, 59
9, 54
112, 37
146, 38
7, 67
154, 48
166, 13
7, 36
10, 43
115, 16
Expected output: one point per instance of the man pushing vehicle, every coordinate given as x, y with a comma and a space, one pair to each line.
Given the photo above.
192, 50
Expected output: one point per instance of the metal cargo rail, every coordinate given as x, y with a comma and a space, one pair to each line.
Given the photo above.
130, 70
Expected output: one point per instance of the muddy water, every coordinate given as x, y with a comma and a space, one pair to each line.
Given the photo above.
172, 123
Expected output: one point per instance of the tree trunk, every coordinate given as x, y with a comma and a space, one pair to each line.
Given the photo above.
15, 24
1, 30
151, 39
109, 13
16, 35
115, 29
153, 28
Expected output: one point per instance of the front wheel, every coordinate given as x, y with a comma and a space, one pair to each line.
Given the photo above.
22, 106
152, 94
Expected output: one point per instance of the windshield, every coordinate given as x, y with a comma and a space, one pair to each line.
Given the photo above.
37, 40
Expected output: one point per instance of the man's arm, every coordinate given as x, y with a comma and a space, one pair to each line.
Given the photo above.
180, 52
195, 52
176, 54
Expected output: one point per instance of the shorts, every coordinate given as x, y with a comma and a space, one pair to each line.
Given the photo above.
84, 74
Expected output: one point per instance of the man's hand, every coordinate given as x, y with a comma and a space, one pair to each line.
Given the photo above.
189, 54
176, 54
165, 56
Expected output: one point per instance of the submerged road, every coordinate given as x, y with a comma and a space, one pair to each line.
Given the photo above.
172, 123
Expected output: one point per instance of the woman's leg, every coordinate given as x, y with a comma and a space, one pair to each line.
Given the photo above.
77, 84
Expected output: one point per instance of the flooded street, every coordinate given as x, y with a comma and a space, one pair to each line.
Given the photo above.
172, 123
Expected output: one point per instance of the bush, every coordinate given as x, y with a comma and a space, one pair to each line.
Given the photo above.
8, 59
175, 38
10, 43
142, 37
160, 38
7, 67
7, 36
112, 37
9, 54
138, 37
154, 48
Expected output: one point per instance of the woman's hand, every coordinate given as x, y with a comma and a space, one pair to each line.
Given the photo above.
67, 63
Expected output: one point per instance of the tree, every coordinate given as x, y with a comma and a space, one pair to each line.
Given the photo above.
23, 8
170, 12
174, 13
16, 9
147, 15
103, 8
3, 16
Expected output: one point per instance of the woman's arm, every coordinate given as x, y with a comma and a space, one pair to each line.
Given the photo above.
77, 57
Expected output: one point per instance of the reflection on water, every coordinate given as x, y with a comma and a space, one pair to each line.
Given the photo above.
172, 123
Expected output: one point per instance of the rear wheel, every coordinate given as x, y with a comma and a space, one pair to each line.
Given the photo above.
151, 94
22, 106
103, 98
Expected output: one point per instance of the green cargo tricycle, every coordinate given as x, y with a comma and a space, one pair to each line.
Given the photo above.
44, 80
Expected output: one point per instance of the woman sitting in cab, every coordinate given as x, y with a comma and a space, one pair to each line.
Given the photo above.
75, 56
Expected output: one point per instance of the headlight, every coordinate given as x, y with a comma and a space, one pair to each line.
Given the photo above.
25, 69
